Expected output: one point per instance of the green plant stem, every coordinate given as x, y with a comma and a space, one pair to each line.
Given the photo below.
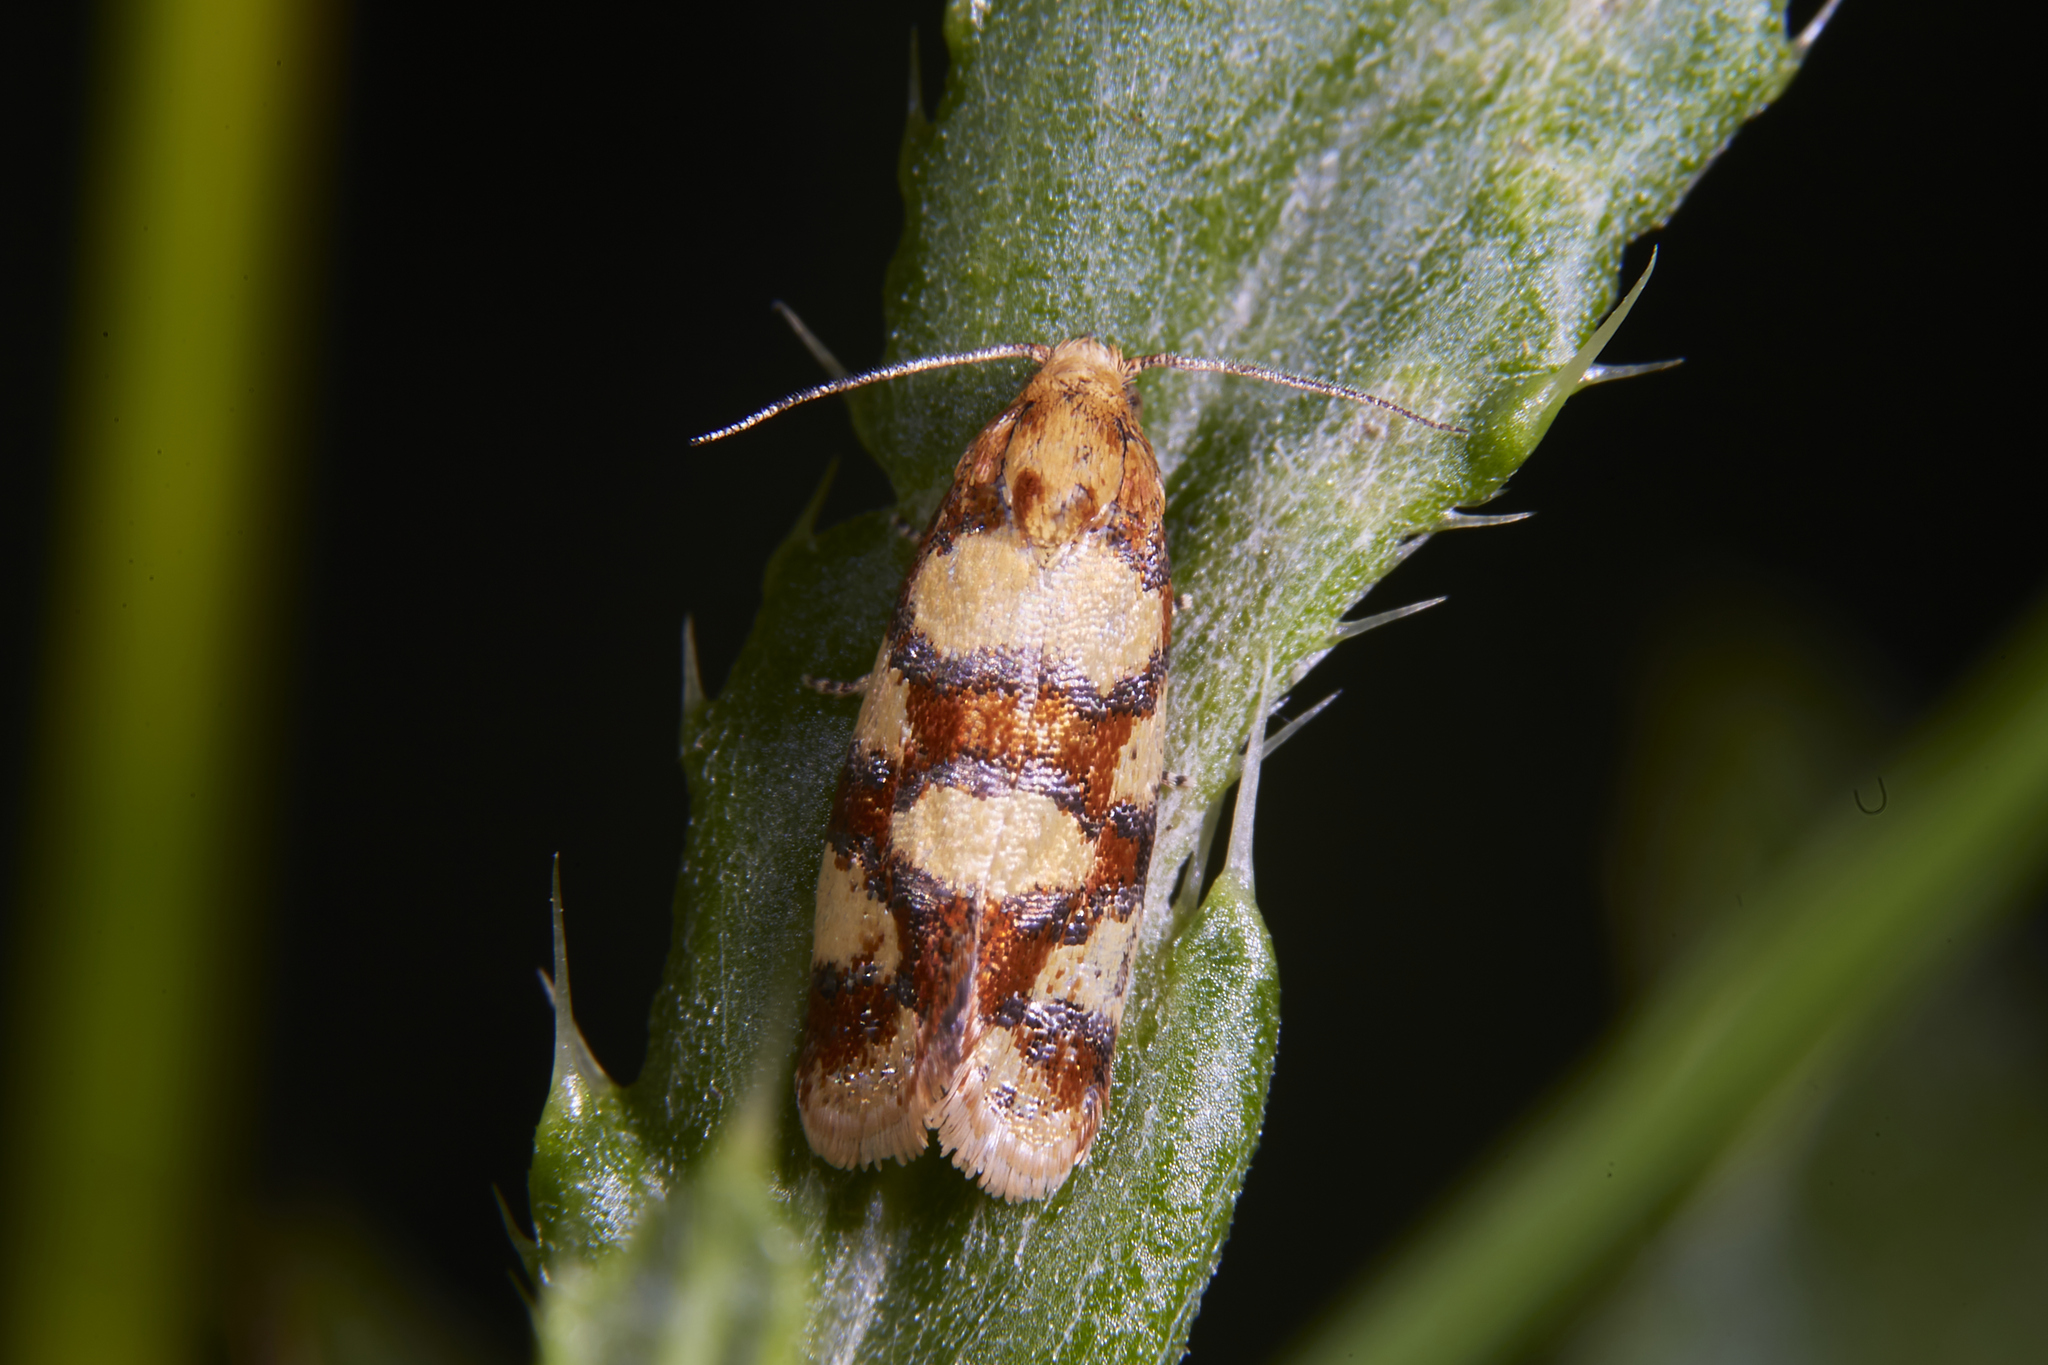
146, 834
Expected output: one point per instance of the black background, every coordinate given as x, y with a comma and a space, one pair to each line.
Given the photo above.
556, 237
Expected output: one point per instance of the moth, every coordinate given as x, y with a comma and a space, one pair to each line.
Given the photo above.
985, 863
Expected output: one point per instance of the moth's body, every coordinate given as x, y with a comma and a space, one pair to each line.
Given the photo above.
984, 873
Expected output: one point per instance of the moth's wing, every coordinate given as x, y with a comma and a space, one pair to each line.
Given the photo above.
1035, 670
1026, 1100
1053, 967
857, 1075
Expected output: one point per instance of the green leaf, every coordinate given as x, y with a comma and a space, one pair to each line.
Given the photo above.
1429, 202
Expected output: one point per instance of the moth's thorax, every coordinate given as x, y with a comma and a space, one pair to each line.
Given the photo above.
1069, 452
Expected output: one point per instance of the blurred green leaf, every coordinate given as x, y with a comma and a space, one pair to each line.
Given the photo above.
1426, 201
146, 842
1751, 714
1865, 911
1891, 1210
1890, 1203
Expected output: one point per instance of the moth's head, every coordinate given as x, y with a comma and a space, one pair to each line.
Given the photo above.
1073, 431
1069, 452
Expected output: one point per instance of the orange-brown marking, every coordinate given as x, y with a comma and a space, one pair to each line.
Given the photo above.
853, 1010
1119, 858
1014, 948
1017, 734
861, 811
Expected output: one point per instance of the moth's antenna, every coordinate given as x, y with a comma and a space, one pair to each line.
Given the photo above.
1013, 350
1292, 381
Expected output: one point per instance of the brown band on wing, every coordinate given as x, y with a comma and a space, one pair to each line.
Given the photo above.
1037, 912
1016, 671
965, 512
859, 827
1115, 901
1070, 1047
853, 1011
936, 925
1018, 935
975, 501
990, 741
997, 774
1123, 851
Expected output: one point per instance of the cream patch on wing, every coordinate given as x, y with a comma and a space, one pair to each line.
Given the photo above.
1087, 607
850, 923
1086, 974
1002, 844
1142, 759
1033, 1115
883, 724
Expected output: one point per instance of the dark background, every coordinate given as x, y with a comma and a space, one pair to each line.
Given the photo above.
555, 241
